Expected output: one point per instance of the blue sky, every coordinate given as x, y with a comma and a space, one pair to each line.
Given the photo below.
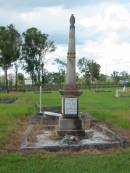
102, 27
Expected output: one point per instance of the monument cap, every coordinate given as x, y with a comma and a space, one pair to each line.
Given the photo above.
72, 19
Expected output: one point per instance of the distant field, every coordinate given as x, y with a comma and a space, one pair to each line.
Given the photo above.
102, 105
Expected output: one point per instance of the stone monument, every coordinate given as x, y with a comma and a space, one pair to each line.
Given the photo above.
69, 123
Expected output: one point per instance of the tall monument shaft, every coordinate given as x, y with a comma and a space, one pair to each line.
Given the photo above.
70, 75
70, 123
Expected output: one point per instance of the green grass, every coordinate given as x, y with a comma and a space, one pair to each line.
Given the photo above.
63, 163
24, 105
104, 106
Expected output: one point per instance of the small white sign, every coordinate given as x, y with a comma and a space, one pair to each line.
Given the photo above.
71, 106
28, 82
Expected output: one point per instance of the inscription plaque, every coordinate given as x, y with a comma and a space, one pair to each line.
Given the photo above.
71, 106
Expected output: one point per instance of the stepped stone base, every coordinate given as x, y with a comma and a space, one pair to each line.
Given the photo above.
70, 127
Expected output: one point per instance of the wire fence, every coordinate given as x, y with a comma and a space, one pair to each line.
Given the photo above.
50, 87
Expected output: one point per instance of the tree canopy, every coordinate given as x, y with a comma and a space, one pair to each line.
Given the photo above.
116, 76
10, 45
89, 68
35, 47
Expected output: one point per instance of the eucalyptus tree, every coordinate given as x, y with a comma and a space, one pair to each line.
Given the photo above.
35, 47
10, 46
115, 76
61, 64
89, 68
17, 65
124, 75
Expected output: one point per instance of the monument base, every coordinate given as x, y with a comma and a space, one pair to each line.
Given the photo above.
63, 133
70, 127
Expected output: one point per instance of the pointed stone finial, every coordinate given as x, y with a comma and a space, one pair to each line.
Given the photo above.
72, 20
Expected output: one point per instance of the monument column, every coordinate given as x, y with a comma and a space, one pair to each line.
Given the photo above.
70, 75
69, 123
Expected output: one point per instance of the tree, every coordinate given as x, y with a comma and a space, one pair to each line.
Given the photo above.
103, 77
58, 78
89, 69
61, 64
115, 75
35, 47
16, 65
124, 75
20, 79
10, 45
46, 77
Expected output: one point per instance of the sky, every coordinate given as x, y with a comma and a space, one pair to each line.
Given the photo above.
102, 28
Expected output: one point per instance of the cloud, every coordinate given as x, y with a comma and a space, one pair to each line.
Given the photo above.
102, 27
48, 3
112, 21
51, 17
61, 53
29, 4
109, 17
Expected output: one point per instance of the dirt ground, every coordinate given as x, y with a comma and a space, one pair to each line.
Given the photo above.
123, 132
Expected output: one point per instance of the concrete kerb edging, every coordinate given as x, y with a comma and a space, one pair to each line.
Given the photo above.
117, 141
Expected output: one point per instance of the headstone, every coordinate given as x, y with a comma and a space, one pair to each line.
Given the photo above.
117, 93
124, 89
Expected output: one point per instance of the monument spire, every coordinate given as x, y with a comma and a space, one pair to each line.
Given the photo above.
70, 76
70, 123
71, 46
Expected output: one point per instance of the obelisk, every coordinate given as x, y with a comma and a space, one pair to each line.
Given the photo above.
69, 123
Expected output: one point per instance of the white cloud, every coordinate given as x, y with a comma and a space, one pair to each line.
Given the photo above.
61, 53
49, 18
110, 20
107, 16
104, 23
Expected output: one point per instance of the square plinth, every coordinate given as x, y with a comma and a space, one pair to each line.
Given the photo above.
70, 127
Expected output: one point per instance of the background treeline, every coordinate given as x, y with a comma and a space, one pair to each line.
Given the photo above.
27, 51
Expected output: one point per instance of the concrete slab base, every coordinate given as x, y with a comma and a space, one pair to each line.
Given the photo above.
39, 135
92, 139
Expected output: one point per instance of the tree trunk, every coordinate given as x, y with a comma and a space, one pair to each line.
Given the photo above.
39, 77
6, 80
16, 79
32, 77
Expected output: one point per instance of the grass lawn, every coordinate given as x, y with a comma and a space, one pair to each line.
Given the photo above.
65, 163
104, 106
